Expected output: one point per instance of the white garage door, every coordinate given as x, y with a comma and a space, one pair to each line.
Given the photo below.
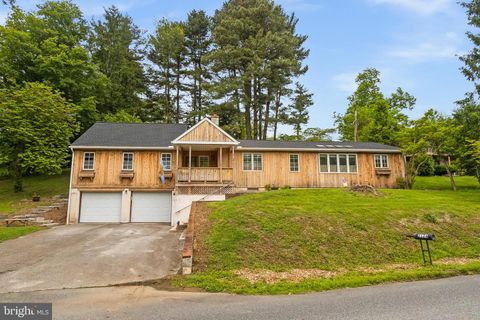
100, 207
151, 206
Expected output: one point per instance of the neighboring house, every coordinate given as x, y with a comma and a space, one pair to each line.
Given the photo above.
117, 173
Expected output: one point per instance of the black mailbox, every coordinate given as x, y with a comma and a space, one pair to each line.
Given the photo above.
423, 236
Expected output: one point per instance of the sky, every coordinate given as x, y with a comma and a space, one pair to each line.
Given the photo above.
414, 43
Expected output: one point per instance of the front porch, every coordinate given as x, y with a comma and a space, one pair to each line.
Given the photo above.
204, 169
205, 159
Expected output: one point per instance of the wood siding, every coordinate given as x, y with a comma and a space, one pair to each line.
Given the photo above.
206, 132
276, 171
108, 166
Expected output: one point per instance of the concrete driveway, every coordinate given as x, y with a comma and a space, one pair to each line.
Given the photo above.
87, 255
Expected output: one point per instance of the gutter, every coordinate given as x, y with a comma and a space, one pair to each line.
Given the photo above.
121, 148
329, 150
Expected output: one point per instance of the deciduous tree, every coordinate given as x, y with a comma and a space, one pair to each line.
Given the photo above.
36, 126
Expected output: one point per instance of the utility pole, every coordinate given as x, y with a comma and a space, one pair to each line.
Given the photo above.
355, 120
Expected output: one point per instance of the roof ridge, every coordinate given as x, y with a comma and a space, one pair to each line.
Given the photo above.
150, 123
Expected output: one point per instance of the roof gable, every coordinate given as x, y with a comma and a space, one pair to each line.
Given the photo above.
205, 132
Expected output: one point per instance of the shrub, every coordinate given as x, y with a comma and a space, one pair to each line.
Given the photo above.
427, 169
268, 187
440, 170
400, 183
286, 187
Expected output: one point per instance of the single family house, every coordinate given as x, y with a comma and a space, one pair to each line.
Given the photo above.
150, 172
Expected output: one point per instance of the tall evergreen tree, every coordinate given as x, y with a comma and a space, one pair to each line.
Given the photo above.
116, 45
197, 46
302, 100
256, 54
167, 54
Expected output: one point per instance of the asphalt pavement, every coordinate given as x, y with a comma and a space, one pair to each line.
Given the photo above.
451, 298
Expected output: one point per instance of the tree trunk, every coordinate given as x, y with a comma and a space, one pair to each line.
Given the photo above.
452, 178
194, 92
255, 109
17, 169
247, 86
199, 89
275, 119
177, 98
267, 113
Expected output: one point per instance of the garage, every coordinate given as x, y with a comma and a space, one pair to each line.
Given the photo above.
151, 207
100, 207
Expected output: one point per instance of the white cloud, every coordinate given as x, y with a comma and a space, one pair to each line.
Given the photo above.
425, 51
345, 81
422, 7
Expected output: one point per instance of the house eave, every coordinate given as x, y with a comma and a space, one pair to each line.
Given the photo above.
121, 148
329, 150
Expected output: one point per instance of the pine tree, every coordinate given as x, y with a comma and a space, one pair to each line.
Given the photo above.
298, 114
116, 45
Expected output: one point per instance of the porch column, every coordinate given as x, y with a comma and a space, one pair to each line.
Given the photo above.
189, 163
221, 164
177, 162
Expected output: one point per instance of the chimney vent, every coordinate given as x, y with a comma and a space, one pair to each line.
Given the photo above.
215, 118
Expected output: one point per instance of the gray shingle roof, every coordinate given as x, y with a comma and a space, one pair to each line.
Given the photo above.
159, 135
319, 145
103, 134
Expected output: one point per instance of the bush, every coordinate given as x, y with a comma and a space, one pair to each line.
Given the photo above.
440, 170
401, 183
268, 187
286, 187
427, 169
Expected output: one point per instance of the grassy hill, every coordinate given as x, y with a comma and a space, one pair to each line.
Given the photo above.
308, 240
44, 186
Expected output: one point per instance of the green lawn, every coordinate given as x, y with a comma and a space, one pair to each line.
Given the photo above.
15, 232
44, 186
291, 241
443, 183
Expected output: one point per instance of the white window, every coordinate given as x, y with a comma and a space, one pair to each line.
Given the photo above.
204, 161
294, 163
166, 161
127, 161
324, 163
332, 163
88, 160
342, 163
338, 163
352, 163
252, 161
381, 161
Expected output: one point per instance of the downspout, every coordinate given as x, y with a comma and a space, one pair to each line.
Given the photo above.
70, 186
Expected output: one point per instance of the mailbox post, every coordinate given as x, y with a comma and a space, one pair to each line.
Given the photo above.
424, 237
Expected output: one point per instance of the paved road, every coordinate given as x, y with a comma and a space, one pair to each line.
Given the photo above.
454, 298
86, 255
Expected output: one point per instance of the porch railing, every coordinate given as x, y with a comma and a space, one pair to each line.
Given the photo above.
204, 174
